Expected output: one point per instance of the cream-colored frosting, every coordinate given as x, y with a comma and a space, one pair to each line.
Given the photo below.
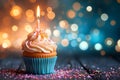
38, 42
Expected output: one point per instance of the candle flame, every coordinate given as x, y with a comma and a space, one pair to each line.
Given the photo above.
38, 11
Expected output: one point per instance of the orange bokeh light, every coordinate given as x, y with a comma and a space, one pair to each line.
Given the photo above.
5, 35
71, 14
117, 48
102, 52
65, 42
14, 28
118, 1
64, 24
16, 12
28, 28
112, 22
49, 9
6, 43
29, 13
76, 6
51, 15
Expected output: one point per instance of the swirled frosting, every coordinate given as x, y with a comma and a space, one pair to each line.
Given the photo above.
38, 41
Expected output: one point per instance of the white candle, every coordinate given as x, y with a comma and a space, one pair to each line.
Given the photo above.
38, 26
38, 18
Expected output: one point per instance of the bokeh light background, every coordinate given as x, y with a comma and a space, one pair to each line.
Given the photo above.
82, 26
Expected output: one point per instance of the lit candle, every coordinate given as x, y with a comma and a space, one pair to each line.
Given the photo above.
38, 18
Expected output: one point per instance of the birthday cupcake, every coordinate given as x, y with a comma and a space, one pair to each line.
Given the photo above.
39, 53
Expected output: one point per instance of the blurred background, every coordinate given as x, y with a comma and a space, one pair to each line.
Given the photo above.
90, 27
87, 33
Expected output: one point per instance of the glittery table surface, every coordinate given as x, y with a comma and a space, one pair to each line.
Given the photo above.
67, 68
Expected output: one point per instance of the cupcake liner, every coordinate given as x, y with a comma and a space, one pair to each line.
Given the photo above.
40, 65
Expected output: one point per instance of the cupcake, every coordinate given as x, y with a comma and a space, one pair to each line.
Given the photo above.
39, 53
